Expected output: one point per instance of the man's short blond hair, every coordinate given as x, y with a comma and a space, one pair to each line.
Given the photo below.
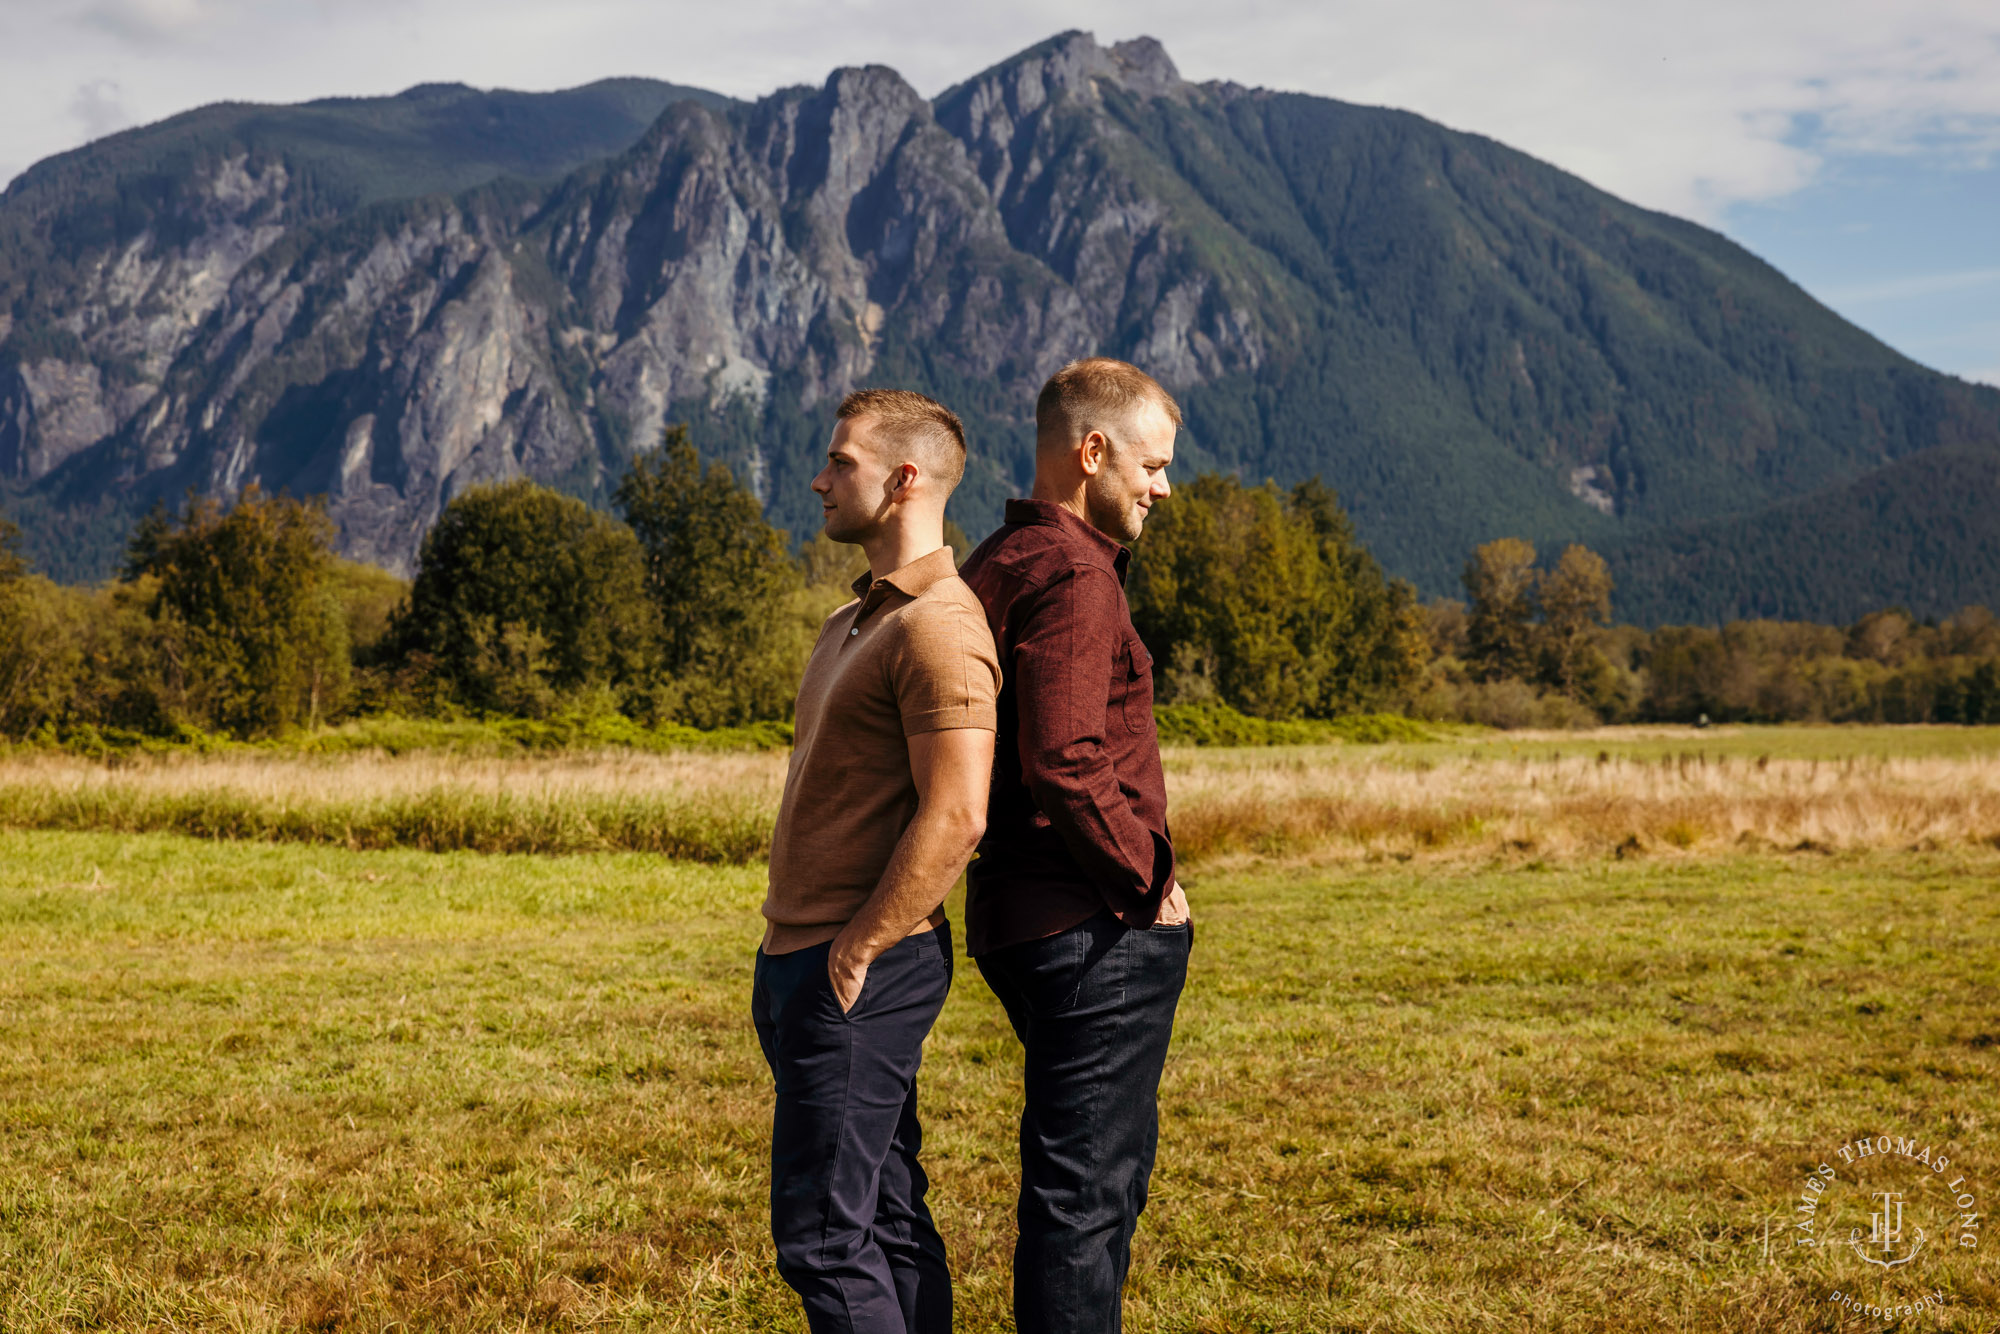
1095, 394
927, 428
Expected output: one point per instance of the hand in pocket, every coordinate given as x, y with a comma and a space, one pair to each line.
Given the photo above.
847, 973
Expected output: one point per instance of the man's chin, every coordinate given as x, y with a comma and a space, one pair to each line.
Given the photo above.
1119, 525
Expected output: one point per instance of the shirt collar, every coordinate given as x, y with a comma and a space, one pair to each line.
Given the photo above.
1052, 515
912, 579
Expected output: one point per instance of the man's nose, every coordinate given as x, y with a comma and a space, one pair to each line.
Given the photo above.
1160, 487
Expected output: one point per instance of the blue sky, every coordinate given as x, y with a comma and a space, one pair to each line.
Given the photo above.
1909, 249
1855, 144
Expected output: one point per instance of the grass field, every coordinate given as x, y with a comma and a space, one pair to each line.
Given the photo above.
260, 1085
1615, 792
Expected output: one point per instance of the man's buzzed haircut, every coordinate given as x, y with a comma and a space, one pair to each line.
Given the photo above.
1095, 394
927, 428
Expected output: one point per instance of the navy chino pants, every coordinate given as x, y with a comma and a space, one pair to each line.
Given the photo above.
854, 1236
1094, 1009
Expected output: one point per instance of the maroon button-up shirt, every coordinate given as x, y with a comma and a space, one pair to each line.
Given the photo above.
1078, 817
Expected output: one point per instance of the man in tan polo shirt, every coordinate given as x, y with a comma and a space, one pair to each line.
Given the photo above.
884, 802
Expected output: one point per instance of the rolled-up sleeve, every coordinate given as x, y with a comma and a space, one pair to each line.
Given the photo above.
1067, 637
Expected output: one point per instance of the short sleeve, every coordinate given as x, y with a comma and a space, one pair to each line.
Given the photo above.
945, 672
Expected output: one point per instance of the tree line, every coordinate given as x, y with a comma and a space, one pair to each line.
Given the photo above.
685, 606
1533, 646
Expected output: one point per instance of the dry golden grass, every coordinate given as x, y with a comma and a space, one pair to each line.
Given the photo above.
289, 778
1296, 803
1614, 792
697, 806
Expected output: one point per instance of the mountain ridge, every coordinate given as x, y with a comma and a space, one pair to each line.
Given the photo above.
1464, 341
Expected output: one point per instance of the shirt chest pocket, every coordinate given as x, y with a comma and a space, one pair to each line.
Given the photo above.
1138, 686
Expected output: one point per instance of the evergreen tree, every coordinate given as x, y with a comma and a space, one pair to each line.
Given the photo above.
719, 578
142, 548
1981, 698
1368, 629
19, 664
12, 567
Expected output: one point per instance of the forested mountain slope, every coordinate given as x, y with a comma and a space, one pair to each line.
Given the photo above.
1464, 341
1923, 533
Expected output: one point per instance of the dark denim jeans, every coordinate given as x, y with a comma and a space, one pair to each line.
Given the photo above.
1094, 1008
855, 1239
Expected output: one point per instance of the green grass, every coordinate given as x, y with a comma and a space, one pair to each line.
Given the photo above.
247, 1086
493, 738
1214, 723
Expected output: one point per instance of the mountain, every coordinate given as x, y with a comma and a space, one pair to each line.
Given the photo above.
113, 256
1466, 342
1923, 532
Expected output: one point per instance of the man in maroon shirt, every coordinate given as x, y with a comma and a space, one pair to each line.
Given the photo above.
1073, 913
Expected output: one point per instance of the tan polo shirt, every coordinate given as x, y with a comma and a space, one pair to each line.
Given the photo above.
912, 654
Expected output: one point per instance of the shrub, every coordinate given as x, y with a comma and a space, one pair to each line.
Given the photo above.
1213, 723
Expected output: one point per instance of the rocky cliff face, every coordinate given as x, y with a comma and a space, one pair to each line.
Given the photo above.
1463, 340
133, 311
393, 357
1068, 180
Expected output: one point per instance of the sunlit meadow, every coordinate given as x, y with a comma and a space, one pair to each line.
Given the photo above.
1498, 1032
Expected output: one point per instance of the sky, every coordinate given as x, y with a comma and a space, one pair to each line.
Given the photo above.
1855, 144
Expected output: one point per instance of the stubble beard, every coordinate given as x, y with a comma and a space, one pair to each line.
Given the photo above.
1112, 514
841, 527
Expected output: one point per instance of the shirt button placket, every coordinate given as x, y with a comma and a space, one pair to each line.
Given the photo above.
867, 605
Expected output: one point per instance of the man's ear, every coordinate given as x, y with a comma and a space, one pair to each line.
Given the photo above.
902, 480
1090, 454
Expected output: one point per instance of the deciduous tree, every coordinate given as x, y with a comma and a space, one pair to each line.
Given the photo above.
256, 640
1265, 599
525, 596
1500, 585
1576, 600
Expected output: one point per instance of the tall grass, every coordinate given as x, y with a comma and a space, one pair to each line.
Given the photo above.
1610, 795
1275, 803
697, 807
598, 729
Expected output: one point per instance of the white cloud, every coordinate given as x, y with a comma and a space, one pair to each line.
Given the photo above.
1913, 287
99, 109
145, 21
1688, 107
